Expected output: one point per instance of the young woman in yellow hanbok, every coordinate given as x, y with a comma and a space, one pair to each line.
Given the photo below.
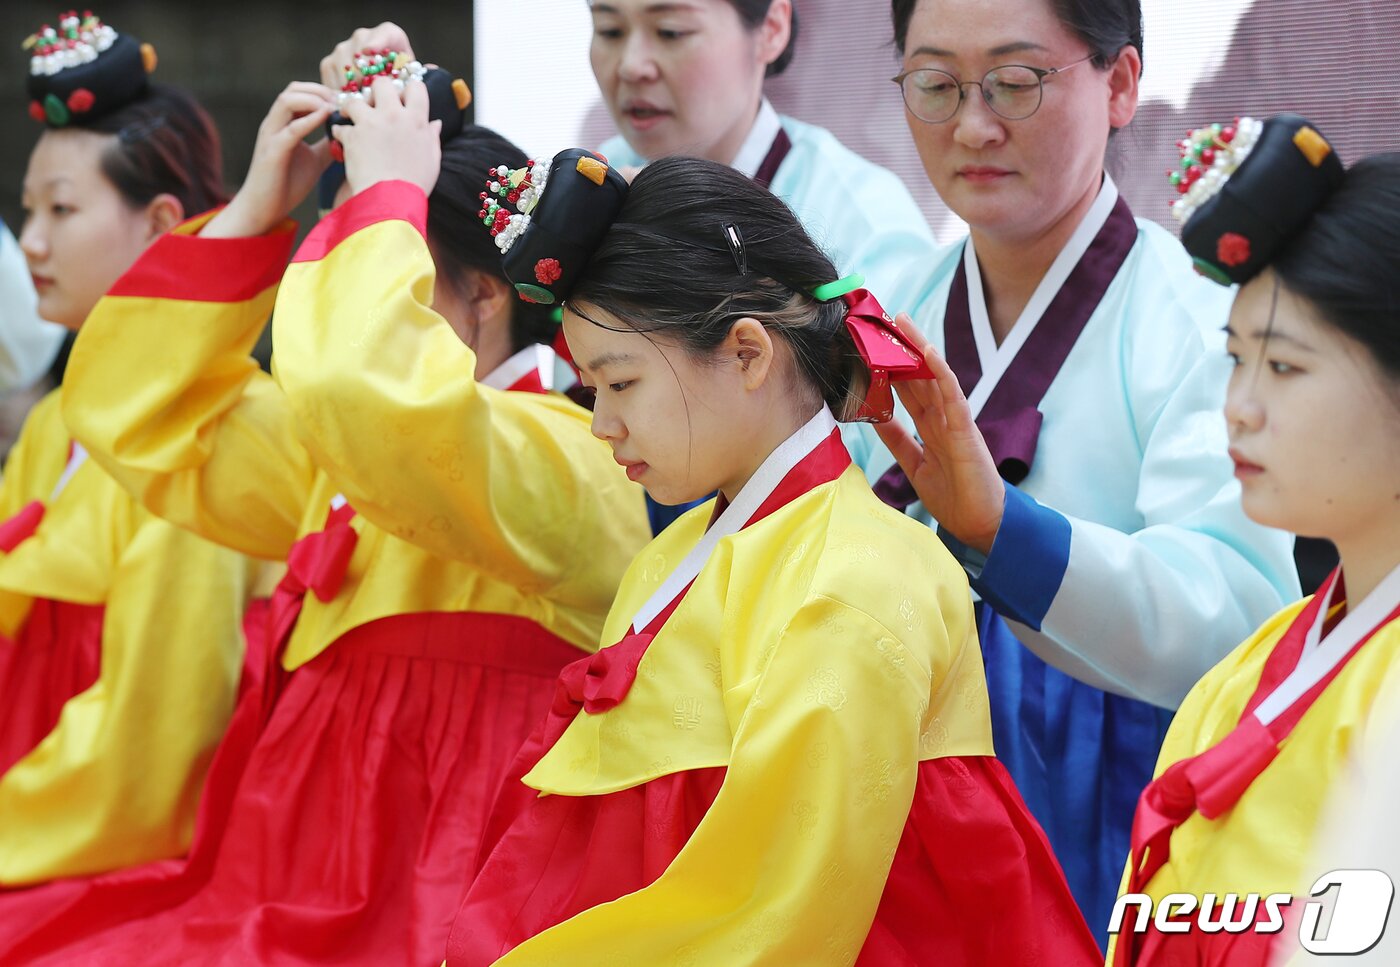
782, 754
1314, 402
120, 640
401, 684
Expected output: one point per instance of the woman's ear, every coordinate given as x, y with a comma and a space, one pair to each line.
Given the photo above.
1123, 87
488, 297
775, 31
750, 349
471, 301
163, 213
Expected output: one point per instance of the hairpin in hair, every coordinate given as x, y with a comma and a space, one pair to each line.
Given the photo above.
735, 238
518, 187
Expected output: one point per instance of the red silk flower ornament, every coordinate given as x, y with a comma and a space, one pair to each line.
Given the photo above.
548, 271
36, 111
1232, 249
81, 101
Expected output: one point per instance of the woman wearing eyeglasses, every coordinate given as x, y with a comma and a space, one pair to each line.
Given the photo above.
1083, 482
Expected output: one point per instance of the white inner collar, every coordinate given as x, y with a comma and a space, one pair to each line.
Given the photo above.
747, 501
996, 359
537, 357
1321, 656
759, 142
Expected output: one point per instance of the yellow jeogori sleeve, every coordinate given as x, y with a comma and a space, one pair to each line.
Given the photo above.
386, 399
161, 390
117, 780
789, 863
32, 469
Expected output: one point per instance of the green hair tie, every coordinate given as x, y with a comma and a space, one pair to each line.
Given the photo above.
835, 290
557, 315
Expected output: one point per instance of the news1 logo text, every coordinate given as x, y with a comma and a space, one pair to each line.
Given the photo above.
1345, 913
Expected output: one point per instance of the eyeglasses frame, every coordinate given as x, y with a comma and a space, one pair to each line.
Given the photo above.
1041, 73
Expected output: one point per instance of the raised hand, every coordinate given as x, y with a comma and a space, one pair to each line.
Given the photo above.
284, 167
390, 139
386, 36
951, 470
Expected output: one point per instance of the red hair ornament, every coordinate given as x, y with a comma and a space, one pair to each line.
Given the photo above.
1232, 249
548, 271
887, 354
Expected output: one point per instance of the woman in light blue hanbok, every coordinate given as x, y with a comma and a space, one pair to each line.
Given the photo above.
1092, 503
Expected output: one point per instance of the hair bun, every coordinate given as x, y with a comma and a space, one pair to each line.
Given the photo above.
548, 243
83, 69
1247, 189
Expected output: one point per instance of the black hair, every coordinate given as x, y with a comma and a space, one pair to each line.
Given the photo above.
1346, 262
460, 241
675, 216
166, 144
752, 12
1106, 26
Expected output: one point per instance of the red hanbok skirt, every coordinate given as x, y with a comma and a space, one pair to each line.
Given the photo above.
57, 655
973, 882
357, 812
47, 916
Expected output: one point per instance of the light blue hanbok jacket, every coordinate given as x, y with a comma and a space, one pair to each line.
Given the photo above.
1124, 568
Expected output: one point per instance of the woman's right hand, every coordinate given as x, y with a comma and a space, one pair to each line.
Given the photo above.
390, 138
948, 464
284, 169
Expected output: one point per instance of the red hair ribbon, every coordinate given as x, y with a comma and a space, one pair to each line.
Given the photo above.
887, 354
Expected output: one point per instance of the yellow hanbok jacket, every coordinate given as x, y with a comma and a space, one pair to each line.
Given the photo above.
821, 656
1264, 844
118, 780
513, 485
189, 424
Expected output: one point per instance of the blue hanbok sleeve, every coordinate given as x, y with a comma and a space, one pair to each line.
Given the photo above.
1144, 613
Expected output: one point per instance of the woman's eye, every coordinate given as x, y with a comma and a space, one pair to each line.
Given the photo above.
665, 34
619, 387
608, 33
1282, 369
1234, 358
61, 209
